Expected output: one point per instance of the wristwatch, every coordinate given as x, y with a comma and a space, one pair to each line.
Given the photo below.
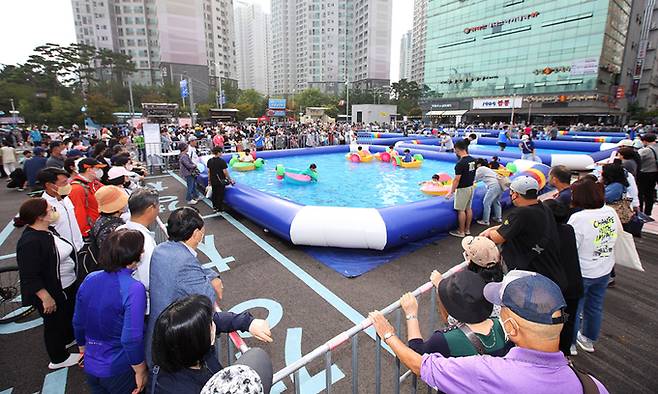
387, 336
411, 317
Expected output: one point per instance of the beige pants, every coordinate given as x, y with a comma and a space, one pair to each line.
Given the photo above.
464, 198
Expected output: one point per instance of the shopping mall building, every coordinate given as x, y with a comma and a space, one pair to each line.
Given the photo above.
551, 60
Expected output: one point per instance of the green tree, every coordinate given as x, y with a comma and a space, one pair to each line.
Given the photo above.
100, 108
255, 99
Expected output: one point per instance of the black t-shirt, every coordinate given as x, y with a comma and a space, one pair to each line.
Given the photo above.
216, 166
532, 242
466, 168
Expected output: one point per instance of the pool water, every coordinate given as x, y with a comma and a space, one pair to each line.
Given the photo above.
345, 184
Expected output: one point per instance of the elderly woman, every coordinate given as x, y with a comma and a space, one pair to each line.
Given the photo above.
188, 170
47, 266
596, 226
109, 318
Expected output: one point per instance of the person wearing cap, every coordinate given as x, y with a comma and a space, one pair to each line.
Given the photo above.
112, 203
463, 189
83, 188
56, 158
528, 236
560, 178
597, 228
184, 355
527, 148
460, 295
33, 165
531, 317
648, 175
192, 149
187, 171
56, 189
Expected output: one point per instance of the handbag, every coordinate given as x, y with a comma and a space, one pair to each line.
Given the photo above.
625, 252
623, 209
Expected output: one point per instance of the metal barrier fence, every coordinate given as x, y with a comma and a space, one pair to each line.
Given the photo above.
235, 342
351, 334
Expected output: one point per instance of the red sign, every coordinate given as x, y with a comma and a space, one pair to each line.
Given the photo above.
620, 92
521, 18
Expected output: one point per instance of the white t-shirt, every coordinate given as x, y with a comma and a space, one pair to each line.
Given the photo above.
144, 267
446, 141
486, 175
596, 233
66, 263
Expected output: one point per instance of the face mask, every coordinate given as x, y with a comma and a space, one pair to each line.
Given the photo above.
129, 167
54, 217
213, 333
504, 330
99, 173
64, 190
127, 184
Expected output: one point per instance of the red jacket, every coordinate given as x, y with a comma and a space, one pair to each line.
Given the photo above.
84, 202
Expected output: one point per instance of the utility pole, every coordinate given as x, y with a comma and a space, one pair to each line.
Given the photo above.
511, 122
347, 104
192, 116
221, 91
132, 103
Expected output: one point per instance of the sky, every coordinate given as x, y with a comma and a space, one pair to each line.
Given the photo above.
27, 24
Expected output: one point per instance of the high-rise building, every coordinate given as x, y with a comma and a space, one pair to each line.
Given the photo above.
405, 56
253, 44
167, 39
418, 41
557, 60
645, 72
323, 44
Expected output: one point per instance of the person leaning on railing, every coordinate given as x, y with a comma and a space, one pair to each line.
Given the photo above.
532, 317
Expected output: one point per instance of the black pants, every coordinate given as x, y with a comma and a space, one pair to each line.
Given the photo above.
567, 333
57, 326
218, 196
646, 184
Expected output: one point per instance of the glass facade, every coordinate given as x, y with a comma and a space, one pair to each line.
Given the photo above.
493, 48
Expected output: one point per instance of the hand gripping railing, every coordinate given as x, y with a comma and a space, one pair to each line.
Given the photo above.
160, 231
351, 334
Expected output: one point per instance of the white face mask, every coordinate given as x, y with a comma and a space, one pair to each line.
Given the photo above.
129, 167
213, 333
99, 173
505, 331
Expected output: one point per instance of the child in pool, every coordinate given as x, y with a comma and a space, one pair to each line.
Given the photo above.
247, 157
433, 181
407, 156
494, 164
362, 152
391, 150
311, 171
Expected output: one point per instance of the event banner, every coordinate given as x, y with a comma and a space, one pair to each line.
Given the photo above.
498, 103
152, 143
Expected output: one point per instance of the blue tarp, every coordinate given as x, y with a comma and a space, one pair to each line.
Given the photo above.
355, 262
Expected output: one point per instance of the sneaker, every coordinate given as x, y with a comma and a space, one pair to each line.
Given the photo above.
585, 343
498, 220
611, 282
73, 343
20, 189
69, 362
482, 222
573, 350
193, 202
457, 234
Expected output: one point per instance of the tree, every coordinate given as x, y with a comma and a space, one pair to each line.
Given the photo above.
100, 108
255, 99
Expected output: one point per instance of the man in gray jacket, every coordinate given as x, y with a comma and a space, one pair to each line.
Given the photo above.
187, 171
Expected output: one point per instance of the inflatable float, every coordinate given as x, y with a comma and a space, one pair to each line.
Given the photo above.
297, 177
238, 165
441, 189
418, 161
529, 168
356, 158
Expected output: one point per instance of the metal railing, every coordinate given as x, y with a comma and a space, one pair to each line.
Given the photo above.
351, 335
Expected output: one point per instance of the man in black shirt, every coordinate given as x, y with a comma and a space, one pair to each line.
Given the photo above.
218, 178
529, 235
463, 188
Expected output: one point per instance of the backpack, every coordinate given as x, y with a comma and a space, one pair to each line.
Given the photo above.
89, 253
85, 187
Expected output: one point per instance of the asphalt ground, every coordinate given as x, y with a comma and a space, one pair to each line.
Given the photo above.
315, 303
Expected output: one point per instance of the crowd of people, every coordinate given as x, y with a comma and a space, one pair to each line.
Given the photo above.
145, 316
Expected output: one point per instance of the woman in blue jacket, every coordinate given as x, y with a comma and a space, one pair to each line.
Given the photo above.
109, 318
615, 182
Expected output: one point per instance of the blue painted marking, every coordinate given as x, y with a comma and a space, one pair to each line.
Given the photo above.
216, 260
55, 382
343, 307
12, 328
6, 232
274, 311
212, 215
11, 389
308, 384
158, 186
172, 200
5, 257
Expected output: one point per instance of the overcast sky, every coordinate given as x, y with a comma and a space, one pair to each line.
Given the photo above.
27, 24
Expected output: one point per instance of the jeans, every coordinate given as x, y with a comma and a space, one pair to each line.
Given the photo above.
529, 156
191, 188
492, 198
591, 307
118, 384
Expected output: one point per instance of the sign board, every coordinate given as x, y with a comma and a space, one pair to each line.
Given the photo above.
276, 104
152, 143
498, 103
183, 88
585, 66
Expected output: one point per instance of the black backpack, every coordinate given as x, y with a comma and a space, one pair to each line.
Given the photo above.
89, 253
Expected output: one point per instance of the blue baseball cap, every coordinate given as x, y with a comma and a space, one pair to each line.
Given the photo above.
530, 295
